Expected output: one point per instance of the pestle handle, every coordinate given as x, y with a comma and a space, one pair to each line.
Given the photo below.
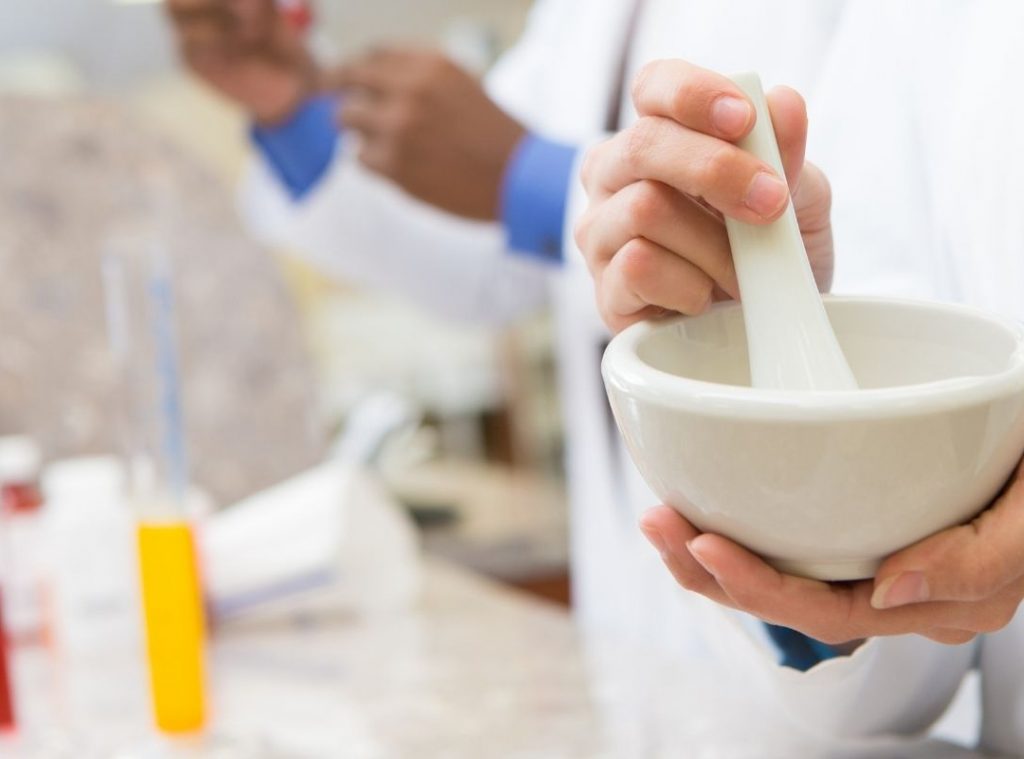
789, 338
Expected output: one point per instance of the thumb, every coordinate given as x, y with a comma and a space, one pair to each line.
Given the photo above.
789, 117
969, 562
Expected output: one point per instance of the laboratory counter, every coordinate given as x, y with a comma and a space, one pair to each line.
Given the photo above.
473, 670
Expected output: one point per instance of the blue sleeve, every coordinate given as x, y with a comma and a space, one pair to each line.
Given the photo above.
533, 197
301, 149
799, 651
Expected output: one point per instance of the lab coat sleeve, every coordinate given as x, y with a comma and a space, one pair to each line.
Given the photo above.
1002, 689
360, 228
897, 686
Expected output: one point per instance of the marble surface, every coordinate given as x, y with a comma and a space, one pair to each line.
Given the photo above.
73, 177
511, 524
473, 671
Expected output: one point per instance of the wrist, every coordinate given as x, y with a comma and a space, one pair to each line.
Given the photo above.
279, 94
279, 100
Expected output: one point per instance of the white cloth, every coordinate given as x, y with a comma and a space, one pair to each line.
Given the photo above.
901, 95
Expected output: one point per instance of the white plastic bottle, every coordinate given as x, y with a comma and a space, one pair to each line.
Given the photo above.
90, 542
90, 537
21, 546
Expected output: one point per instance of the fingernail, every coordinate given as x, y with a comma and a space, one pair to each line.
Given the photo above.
730, 115
655, 537
695, 553
900, 590
766, 195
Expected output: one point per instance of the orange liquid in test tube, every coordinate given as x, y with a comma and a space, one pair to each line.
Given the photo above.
175, 625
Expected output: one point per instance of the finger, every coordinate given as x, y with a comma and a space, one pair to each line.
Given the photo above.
697, 98
378, 156
644, 274
201, 25
669, 532
660, 214
812, 201
830, 612
381, 71
363, 113
966, 563
336, 78
789, 118
729, 179
760, 589
950, 637
256, 20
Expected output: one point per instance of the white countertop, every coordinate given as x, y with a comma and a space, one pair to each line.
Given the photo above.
473, 671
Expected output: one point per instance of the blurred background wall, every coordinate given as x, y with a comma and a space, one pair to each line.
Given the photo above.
305, 352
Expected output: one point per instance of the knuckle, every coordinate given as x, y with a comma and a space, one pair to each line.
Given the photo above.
638, 141
642, 81
588, 168
636, 263
645, 206
822, 188
615, 321
688, 96
699, 296
581, 232
718, 167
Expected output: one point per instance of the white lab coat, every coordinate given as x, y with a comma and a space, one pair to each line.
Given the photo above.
897, 153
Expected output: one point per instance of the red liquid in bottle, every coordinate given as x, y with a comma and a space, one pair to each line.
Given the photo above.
6, 698
297, 13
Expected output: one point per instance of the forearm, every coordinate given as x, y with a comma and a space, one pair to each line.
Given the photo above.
355, 227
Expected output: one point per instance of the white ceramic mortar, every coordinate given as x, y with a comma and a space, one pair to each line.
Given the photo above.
825, 484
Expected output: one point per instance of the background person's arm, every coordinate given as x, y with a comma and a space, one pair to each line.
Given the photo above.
307, 191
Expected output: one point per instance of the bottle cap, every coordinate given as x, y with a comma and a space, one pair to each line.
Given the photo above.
20, 459
93, 475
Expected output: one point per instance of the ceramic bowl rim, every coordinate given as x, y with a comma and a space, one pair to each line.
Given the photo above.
625, 371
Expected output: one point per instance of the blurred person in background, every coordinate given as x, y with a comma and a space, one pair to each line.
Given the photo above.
458, 196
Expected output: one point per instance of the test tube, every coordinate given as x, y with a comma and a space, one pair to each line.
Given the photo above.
140, 314
6, 695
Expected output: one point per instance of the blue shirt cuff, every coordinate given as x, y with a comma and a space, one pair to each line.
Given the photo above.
301, 149
798, 650
533, 197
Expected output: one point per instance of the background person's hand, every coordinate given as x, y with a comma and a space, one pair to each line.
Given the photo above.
429, 126
948, 587
653, 235
247, 51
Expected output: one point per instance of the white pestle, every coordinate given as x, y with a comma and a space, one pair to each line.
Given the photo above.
790, 341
